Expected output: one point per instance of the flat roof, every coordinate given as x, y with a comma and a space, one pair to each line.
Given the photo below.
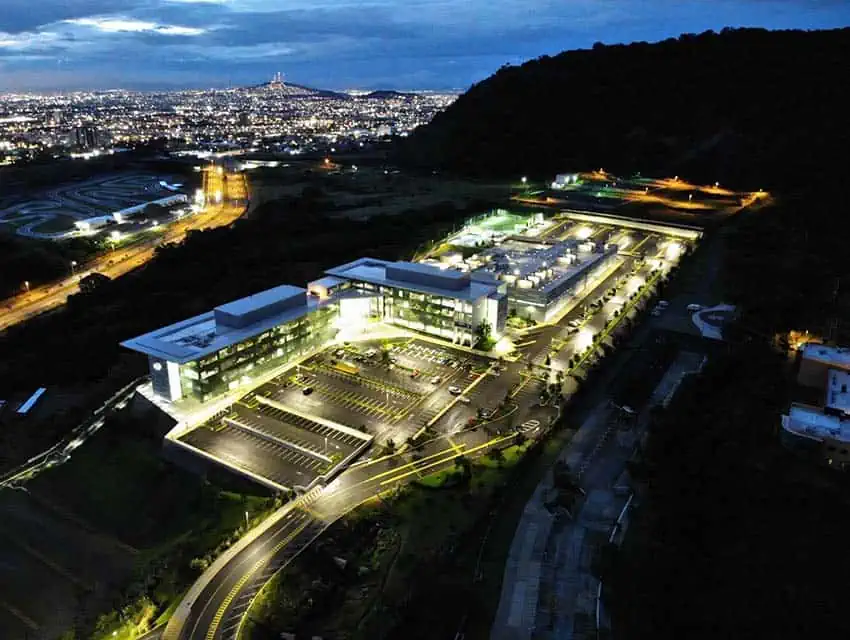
814, 423
201, 335
422, 278
260, 301
838, 356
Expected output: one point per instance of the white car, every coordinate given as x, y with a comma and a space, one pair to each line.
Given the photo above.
436, 380
455, 391
574, 323
464, 399
663, 304
694, 307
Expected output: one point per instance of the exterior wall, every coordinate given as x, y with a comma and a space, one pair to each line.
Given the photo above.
446, 318
813, 373
539, 305
216, 373
161, 378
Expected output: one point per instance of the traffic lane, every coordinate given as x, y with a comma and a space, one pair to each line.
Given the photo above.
228, 627
47, 297
206, 605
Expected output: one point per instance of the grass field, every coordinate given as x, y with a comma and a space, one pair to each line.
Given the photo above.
119, 485
59, 222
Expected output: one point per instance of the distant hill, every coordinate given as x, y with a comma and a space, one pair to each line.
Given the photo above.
299, 91
388, 94
744, 106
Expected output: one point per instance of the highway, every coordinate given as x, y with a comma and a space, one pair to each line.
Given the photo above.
218, 610
121, 260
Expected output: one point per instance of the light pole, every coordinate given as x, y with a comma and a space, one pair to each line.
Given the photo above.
27, 285
326, 445
246, 521
73, 268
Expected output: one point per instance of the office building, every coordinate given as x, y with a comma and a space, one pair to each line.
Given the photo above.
822, 429
446, 303
206, 356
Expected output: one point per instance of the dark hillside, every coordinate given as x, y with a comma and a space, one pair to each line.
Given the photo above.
747, 107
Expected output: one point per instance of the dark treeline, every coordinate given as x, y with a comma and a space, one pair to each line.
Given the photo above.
288, 241
38, 261
747, 107
736, 537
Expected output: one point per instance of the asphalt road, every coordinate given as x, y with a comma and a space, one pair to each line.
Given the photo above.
219, 609
113, 264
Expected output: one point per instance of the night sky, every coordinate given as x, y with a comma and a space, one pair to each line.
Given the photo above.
338, 44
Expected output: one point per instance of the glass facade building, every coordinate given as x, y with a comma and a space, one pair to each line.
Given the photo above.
206, 356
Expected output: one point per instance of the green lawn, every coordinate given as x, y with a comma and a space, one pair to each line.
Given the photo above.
59, 222
119, 483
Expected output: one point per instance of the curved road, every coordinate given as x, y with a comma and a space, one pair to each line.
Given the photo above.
220, 608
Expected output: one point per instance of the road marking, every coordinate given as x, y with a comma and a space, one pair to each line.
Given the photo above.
452, 457
219, 614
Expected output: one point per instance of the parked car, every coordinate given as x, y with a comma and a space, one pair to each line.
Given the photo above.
694, 307
455, 391
436, 380
663, 304
464, 399
656, 311
416, 373
307, 391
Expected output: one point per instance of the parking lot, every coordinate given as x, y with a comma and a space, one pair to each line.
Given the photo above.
302, 425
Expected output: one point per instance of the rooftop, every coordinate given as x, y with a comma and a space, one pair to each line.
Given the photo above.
836, 356
412, 276
226, 325
812, 422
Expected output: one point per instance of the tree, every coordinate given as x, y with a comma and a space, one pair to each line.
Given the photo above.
93, 282
483, 331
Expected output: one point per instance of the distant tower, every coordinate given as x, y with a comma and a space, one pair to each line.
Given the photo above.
277, 81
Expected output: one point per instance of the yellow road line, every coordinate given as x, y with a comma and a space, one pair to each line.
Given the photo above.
453, 456
216, 621
524, 382
454, 445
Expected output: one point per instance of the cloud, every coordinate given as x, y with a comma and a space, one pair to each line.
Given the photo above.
129, 25
438, 43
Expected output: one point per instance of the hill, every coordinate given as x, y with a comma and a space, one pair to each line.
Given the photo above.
743, 106
388, 94
292, 90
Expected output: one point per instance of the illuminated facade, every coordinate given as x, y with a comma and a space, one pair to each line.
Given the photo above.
206, 356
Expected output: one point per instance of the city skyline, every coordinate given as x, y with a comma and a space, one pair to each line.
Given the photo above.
338, 44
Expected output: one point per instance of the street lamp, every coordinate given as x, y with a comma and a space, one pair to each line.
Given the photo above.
524, 180
246, 521
73, 268
27, 285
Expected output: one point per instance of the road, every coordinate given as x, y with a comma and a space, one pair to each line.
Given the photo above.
219, 608
217, 612
116, 263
